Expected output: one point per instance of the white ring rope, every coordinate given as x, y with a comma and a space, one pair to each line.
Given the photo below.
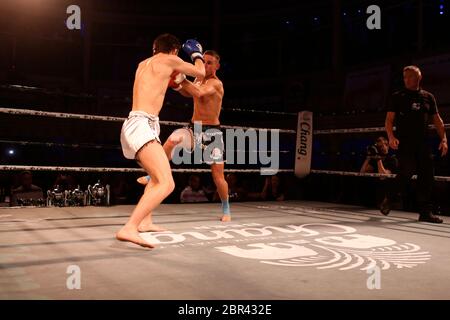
99, 169
66, 145
376, 175
261, 111
116, 119
352, 130
54, 92
103, 146
363, 130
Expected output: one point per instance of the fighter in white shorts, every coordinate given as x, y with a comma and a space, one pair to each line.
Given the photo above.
139, 136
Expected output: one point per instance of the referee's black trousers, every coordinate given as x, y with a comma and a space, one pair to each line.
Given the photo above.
415, 159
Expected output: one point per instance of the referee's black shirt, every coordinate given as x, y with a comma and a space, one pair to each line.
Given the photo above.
413, 109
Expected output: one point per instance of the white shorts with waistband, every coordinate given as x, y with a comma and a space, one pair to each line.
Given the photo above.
137, 130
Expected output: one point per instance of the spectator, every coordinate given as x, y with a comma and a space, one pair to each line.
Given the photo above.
27, 190
194, 191
235, 191
273, 189
65, 182
120, 188
378, 159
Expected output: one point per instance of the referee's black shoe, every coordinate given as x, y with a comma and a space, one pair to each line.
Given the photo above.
428, 216
386, 206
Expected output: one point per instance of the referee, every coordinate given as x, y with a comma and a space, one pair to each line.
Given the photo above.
411, 109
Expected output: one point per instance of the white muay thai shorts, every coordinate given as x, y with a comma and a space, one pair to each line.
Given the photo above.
139, 129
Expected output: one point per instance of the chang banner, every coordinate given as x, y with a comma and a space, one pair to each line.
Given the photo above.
304, 144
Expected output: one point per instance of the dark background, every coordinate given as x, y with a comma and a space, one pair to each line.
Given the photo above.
278, 58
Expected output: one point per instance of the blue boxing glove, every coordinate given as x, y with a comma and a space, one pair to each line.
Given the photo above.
194, 49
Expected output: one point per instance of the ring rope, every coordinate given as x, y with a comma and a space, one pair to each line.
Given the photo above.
57, 92
99, 169
66, 145
115, 119
260, 111
103, 146
363, 130
376, 175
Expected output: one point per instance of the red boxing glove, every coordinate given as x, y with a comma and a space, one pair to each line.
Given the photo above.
175, 80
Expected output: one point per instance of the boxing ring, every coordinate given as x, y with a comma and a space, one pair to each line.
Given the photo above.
290, 250
297, 250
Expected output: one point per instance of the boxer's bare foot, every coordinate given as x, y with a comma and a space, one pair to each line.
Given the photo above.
150, 227
226, 218
147, 225
126, 234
